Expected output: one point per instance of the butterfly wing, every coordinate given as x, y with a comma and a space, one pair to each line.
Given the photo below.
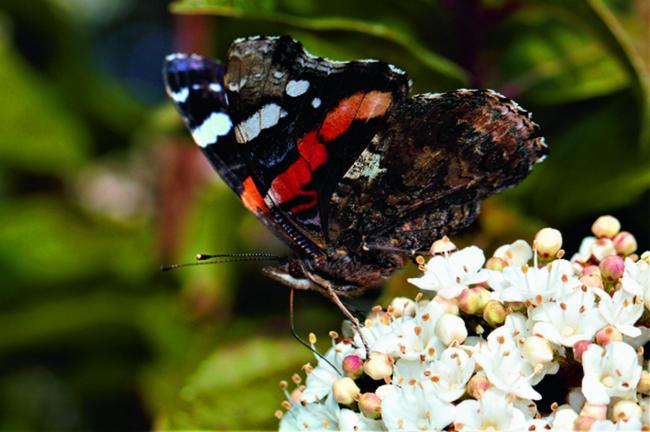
301, 122
424, 175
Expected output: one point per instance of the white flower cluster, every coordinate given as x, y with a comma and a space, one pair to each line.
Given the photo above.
524, 341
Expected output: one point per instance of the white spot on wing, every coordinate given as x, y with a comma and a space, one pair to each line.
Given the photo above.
215, 87
268, 116
368, 165
296, 88
216, 125
315, 102
278, 74
180, 96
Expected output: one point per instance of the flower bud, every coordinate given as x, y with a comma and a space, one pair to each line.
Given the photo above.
345, 391
548, 242
602, 248
591, 277
606, 226
537, 350
495, 263
595, 411
443, 245
402, 306
370, 405
477, 385
353, 366
625, 243
564, 418
473, 300
582, 423
494, 313
378, 366
612, 268
644, 383
448, 305
450, 328
625, 410
579, 349
608, 334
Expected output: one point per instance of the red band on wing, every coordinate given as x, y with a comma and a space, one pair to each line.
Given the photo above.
288, 185
251, 197
313, 152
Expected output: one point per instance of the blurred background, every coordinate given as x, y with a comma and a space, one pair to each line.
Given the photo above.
100, 184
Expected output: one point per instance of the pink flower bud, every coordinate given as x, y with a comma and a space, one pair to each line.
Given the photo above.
450, 328
370, 405
477, 385
591, 277
494, 313
548, 242
345, 391
579, 348
606, 226
625, 243
495, 263
583, 423
353, 366
443, 245
611, 268
473, 300
608, 334
644, 383
595, 411
378, 366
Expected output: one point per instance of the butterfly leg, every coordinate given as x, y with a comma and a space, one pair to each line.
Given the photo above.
331, 292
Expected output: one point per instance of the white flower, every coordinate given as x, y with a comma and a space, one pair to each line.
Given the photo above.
414, 337
636, 279
569, 320
410, 409
505, 368
621, 425
321, 379
621, 311
492, 412
532, 284
516, 254
613, 371
448, 376
311, 417
352, 421
449, 275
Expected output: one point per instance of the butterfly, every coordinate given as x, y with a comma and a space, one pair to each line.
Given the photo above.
340, 162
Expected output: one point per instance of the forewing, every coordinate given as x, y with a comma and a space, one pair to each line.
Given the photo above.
425, 174
196, 86
302, 121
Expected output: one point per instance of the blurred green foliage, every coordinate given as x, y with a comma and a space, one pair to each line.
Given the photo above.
99, 185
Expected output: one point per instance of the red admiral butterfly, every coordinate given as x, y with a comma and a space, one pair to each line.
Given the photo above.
338, 160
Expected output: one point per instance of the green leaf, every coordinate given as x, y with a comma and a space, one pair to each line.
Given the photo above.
236, 388
597, 17
550, 63
268, 11
590, 168
39, 133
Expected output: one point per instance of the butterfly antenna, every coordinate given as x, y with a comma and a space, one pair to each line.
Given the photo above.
220, 261
203, 257
301, 340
